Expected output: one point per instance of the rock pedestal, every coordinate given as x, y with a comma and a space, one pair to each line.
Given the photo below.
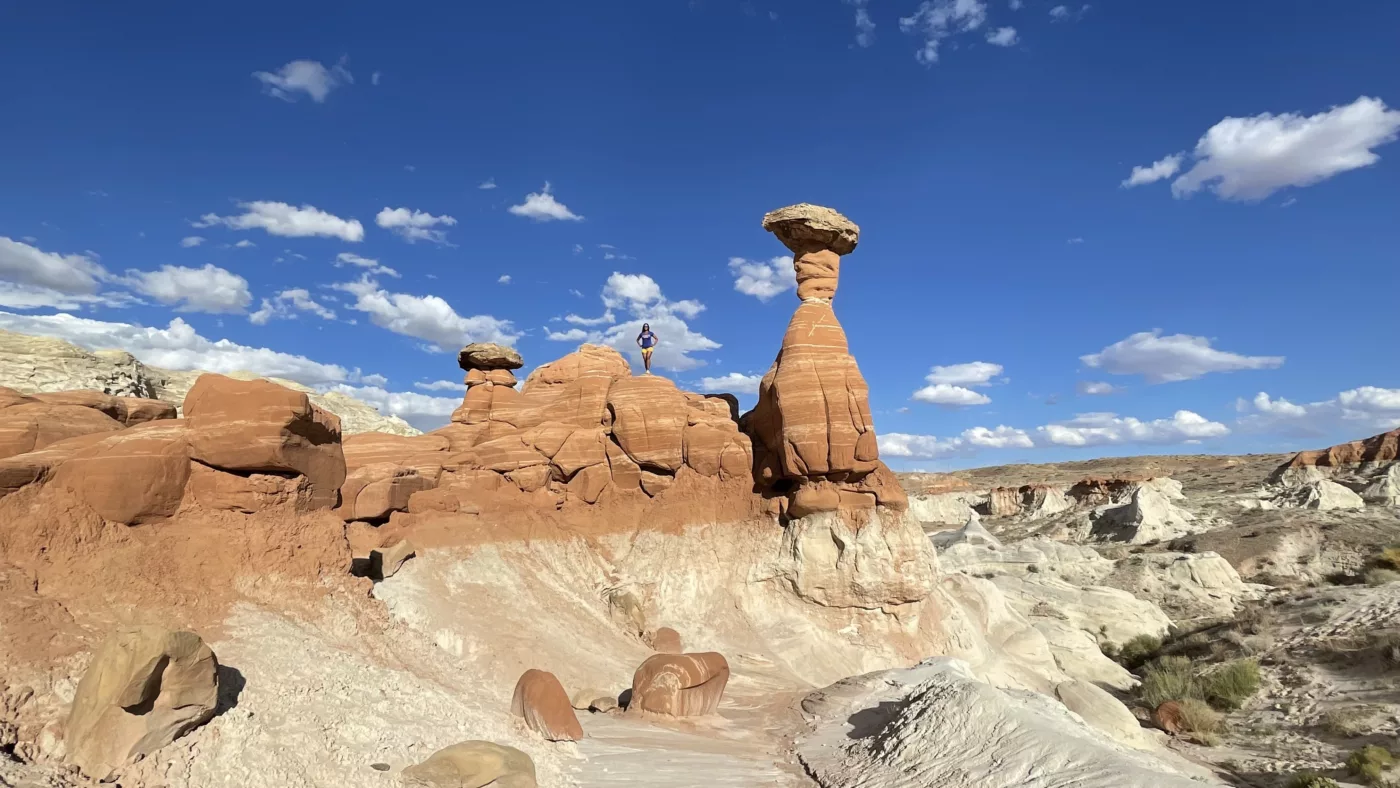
813, 413
490, 381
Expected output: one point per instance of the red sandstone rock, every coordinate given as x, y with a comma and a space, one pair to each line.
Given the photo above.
587, 361
680, 685
1169, 717
257, 426
540, 699
705, 443
531, 478
372, 492
666, 641
367, 448
649, 420
584, 447
489, 355
31, 426
136, 475
9, 397
626, 475
216, 490
654, 484
1378, 448
22, 470
813, 498
589, 482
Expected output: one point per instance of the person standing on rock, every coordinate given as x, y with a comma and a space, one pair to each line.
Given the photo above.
647, 342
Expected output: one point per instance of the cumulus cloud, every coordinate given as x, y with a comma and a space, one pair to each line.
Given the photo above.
1177, 357
899, 444
244, 244
543, 207
305, 76
1101, 429
191, 241
208, 289
938, 20
734, 382
442, 385
1095, 388
503, 279
865, 26
1059, 12
1248, 159
640, 296
607, 318
177, 346
421, 410
371, 265
489, 183
287, 304
951, 396
279, 218
763, 279
1158, 170
428, 318
974, 373
1356, 412
73, 274
1003, 37
414, 226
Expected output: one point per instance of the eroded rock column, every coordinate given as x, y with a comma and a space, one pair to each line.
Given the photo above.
490, 380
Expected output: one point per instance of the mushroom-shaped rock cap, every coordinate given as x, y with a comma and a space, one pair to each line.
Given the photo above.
488, 355
800, 227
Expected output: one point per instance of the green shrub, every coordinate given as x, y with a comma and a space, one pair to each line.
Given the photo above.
1311, 780
1168, 678
1230, 685
1369, 763
1138, 650
1201, 721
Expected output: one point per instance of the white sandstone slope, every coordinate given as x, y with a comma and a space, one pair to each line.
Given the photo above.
32, 364
936, 725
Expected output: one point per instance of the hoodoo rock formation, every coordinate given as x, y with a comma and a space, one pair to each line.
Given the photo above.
541, 701
814, 436
680, 685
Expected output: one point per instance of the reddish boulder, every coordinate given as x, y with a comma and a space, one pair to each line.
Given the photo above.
36, 466
133, 476
1169, 717
680, 685
666, 641
590, 482
649, 420
9, 397
260, 427
216, 490
30, 426
367, 448
372, 492
544, 705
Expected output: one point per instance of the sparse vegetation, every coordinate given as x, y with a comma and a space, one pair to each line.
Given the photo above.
1389, 558
1369, 763
1230, 685
1201, 721
1139, 650
1378, 576
1168, 678
1311, 780
1349, 722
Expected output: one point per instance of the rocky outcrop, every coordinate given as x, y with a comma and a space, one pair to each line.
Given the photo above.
144, 688
473, 763
1370, 467
1150, 515
680, 685
50, 366
540, 700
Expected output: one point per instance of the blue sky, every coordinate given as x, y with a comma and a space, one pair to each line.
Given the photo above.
1040, 188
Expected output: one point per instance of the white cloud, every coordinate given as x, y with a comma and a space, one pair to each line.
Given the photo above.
641, 297
1059, 12
938, 20
1003, 37
974, 373
368, 380
899, 444
1016, 4
26, 265
191, 241
951, 396
413, 225
605, 319
16, 296
304, 76
865, 26
177, 346
374, 78
425, 317
1357, 412
442, 385
1177, 357
279, 218
571, 335
1251, 158
1095, 388
367, 263
504, 279
542, 207
244, 244
208, 289
287, 303
489, 183
421, 410
1100, 429
763, 280
1157, 171
734, 382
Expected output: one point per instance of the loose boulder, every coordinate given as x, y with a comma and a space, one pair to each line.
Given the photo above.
680, 685
145, 687
473, 764
666, 641
487, 356
541, 701
137, 475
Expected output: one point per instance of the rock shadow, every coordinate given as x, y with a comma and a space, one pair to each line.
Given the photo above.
867, 723
231, 684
